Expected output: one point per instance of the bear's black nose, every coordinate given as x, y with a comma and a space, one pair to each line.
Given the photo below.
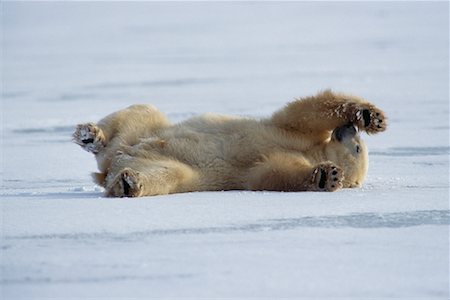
346, 131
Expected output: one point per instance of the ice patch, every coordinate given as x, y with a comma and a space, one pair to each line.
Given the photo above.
362, 220
413, 151
86, 189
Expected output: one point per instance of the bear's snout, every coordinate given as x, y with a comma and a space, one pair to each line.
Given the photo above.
343, 132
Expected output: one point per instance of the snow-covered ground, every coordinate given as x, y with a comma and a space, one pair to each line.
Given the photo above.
67, 63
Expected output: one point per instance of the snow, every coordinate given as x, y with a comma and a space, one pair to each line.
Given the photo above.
69, 63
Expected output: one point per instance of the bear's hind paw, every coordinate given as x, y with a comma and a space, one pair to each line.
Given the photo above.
89, 137
326, 177
126, 184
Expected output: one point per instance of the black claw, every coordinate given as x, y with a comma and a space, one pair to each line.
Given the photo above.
88, 141
335, 179
334, 172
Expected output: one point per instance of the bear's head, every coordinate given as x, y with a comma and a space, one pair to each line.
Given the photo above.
348, 150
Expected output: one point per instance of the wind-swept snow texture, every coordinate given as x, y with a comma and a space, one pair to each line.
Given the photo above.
68, 63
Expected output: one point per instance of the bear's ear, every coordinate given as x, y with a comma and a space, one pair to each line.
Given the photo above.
99, 178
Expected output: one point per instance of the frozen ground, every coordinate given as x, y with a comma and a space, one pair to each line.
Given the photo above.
68, 63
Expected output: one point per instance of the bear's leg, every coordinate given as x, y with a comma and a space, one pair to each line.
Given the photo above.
129, 125
289, 172
324, 112
90, 137
136, 177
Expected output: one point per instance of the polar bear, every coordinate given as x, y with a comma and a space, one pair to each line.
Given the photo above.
312, 144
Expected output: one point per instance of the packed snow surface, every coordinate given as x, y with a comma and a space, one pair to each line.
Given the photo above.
69, 63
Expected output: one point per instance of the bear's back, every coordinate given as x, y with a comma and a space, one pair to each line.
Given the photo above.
218, 141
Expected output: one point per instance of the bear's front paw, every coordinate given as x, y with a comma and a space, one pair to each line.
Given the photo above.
127, 184
326, 177
89, 137
371, 119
